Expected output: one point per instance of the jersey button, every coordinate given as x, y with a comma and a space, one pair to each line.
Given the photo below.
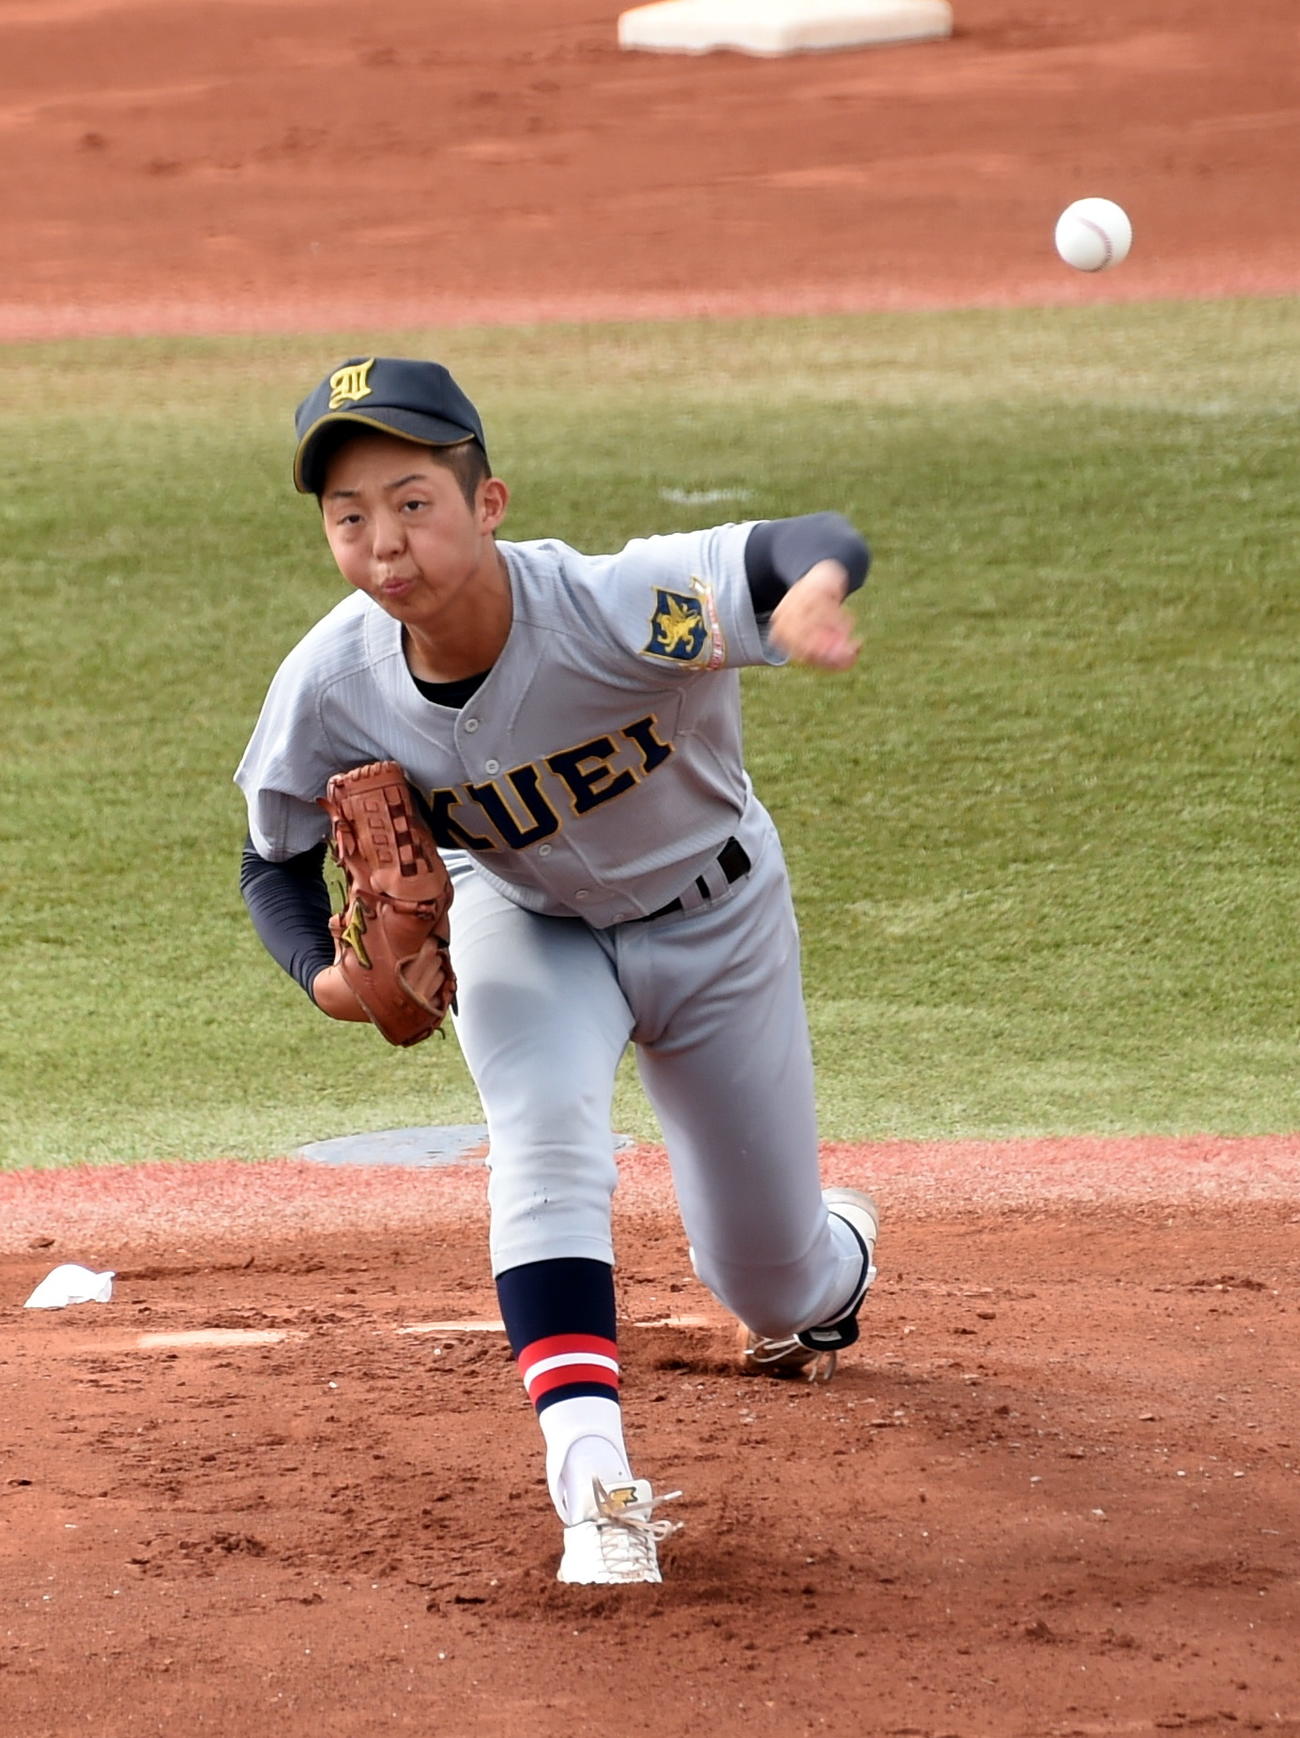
543, 850
491, 766
580, 893
471, 725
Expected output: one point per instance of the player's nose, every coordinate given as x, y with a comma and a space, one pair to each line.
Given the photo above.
389, 536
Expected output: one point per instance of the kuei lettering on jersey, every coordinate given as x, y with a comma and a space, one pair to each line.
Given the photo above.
515, 809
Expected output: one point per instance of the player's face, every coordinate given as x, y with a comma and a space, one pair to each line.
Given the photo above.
401, 530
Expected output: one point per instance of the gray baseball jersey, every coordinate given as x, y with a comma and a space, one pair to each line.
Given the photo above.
598, 768
591, 779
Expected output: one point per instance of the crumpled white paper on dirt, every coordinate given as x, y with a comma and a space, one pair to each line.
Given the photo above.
70, 1284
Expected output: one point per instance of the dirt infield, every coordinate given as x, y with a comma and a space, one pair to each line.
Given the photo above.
296, 163
1057, 1488
286, 1481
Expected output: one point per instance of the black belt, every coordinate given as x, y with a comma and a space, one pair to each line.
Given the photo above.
733, 860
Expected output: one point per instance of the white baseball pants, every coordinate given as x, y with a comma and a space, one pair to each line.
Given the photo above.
712, 998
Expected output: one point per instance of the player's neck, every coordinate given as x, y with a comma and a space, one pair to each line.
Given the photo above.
468, 640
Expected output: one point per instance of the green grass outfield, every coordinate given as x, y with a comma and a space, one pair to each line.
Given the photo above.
1043, 838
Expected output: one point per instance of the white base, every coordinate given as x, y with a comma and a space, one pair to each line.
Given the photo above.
780, 26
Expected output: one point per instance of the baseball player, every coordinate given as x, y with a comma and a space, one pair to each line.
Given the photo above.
572, 725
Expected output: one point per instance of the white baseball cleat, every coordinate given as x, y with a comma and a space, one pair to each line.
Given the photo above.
616, 1539
811, 1353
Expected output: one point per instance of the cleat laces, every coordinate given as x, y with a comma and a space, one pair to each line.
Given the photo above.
793, 1354
628, 1535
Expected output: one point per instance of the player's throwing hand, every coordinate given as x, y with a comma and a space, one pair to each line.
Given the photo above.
812, 624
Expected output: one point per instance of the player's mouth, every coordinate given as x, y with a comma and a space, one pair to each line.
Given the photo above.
394, 589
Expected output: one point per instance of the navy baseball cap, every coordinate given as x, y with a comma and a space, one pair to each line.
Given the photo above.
417, 401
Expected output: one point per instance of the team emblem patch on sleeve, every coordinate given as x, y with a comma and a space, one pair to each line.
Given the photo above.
682, 629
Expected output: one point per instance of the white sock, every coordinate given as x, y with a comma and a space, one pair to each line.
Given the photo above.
584, 1441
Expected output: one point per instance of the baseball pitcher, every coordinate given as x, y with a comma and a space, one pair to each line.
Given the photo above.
527, 763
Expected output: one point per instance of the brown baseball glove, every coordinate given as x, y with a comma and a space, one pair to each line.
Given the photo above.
390, 938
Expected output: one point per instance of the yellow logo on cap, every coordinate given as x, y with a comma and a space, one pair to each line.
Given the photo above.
350, 384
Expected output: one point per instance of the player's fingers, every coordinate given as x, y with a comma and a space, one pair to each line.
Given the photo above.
838, 647
806, 632
831, 648
841, 656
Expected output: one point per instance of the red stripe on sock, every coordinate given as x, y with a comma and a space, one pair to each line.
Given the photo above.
560, 1345
563, 1374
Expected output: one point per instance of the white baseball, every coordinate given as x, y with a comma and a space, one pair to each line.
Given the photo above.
1093, 234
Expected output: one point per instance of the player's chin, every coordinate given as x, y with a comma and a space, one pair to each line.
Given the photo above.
406, 603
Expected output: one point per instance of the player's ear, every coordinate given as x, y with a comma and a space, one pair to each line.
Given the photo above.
494, 498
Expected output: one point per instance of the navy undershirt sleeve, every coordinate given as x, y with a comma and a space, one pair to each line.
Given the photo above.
289, 904
780, 551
